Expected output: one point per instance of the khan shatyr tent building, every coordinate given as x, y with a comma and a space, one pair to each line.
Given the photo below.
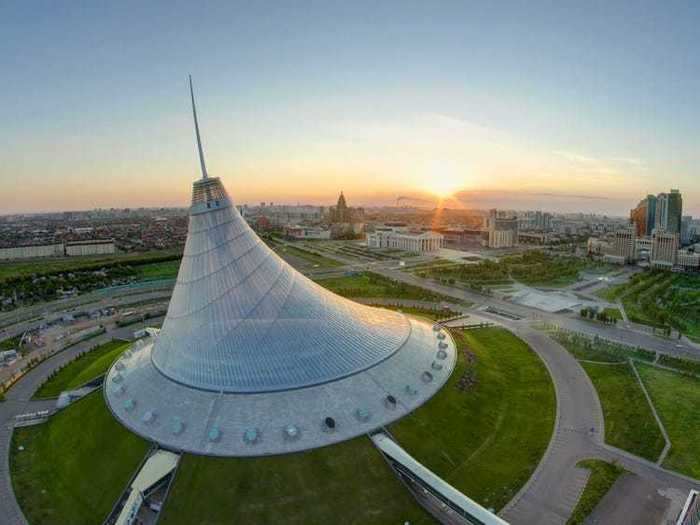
254, 358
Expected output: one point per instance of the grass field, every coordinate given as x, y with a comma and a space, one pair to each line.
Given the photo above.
159, 270
74, 467
11, 343
602, 478
629, 421
677, 398
426, 313
312, 258
83, 369
10, 270
372, 285
348, 483
487, 439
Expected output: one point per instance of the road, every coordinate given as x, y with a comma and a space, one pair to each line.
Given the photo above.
612, 332
18, 401
555, 486
552, 492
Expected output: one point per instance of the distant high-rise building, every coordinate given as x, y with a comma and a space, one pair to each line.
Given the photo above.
341, 212
686, 230
669, 209
644, 216
624, 246
664, 248
502, 230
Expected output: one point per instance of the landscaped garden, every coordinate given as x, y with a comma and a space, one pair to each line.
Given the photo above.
72, 469
83, 369
487, 429
534, 268
661, 299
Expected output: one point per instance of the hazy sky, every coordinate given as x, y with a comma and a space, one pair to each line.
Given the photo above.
552, 105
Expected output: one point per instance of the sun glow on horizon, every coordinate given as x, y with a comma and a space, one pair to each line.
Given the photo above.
443, 179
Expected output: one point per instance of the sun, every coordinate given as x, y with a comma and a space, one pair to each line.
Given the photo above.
442, 179
443, 188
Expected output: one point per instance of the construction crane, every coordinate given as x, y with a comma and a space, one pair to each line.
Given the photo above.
414, 200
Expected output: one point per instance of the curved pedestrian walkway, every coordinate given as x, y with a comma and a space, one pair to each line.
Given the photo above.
18, 400
553, 490
547, 498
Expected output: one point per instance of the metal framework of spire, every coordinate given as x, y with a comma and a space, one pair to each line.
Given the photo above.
205, 175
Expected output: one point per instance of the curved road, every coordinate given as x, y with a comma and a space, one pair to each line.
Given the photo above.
18, 400
552, 492
547, 498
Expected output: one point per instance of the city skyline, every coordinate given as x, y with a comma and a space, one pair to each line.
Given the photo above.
516, 108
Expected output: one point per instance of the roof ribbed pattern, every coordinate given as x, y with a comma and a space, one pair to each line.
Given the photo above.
242, 320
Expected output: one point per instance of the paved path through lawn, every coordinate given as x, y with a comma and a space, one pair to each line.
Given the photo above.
18, 400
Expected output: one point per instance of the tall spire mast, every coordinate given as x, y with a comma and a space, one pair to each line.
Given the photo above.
196, 128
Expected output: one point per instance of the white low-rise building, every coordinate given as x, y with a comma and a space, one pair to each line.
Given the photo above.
416, 242
28, 252
91, 247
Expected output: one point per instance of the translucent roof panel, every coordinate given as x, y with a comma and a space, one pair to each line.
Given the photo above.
242, 320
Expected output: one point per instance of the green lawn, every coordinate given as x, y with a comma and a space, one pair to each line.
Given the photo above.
629, 421
14, 269
347, 483
485, 440
368, 284
83, 369
431, 314
312, 258
159, 270
677, 401
602, 478
11, 343
74, 467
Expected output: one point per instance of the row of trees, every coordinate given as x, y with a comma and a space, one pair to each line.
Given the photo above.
598, 315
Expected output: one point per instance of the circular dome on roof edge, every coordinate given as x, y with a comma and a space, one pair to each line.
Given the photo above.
242, 320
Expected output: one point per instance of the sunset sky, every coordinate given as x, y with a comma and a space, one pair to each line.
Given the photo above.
555, 105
